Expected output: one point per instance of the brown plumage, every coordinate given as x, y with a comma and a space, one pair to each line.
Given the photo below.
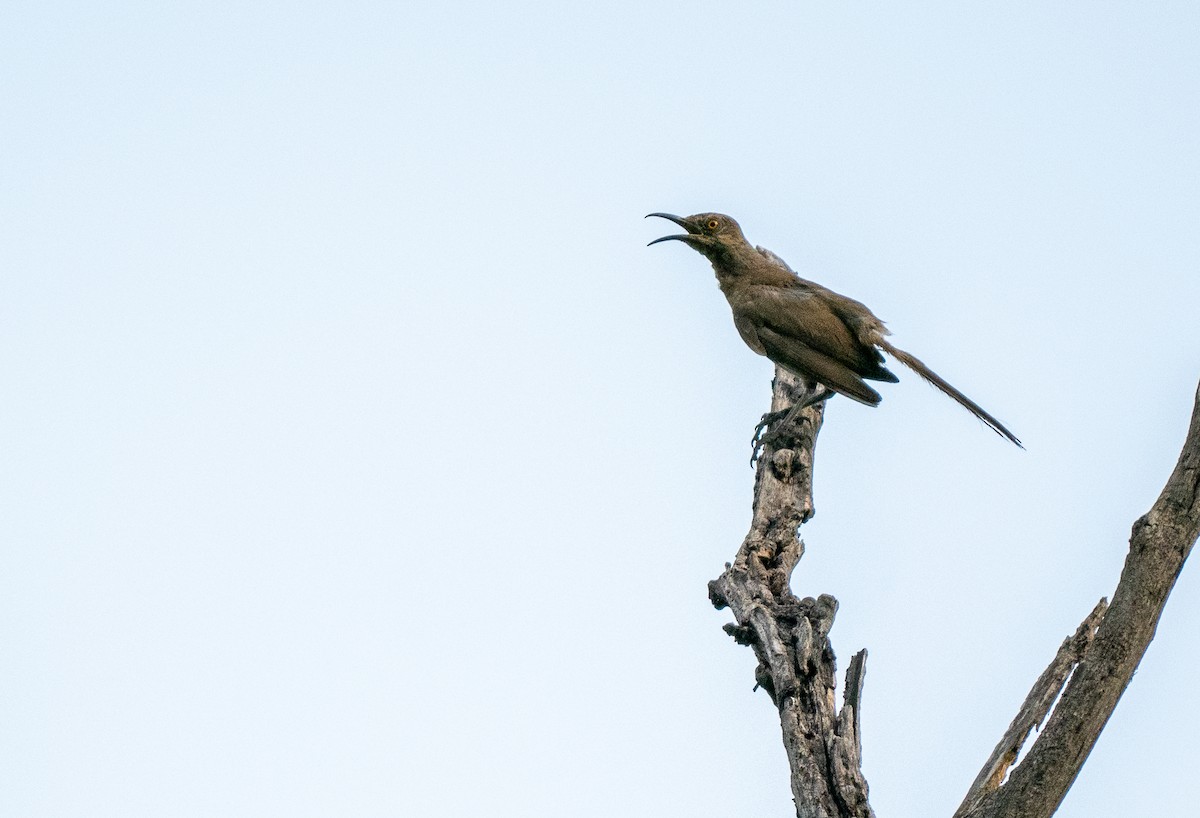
809, 329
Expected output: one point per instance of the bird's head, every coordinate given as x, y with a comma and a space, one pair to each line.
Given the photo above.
713, 234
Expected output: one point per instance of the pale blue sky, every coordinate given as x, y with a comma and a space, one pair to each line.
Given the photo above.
361, 460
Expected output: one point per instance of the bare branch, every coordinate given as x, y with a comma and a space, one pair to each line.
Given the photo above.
1161, 542
1033, 712
1074, 696
790, 635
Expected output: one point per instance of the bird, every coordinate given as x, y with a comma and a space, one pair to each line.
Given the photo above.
823, 337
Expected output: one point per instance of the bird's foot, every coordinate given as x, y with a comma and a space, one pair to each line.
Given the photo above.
776, 427
765, 435
766, 421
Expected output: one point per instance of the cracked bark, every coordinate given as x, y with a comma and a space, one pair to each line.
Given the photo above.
1074, 696
1158, 547
790, 636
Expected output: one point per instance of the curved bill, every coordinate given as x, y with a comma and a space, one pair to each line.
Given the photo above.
676, 237
671, 217
679, 220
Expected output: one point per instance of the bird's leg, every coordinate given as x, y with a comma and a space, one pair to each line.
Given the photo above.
767, 420
774, 425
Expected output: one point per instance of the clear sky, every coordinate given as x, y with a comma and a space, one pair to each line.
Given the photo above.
360, 459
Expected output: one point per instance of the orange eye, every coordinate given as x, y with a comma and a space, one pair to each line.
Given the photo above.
712, 224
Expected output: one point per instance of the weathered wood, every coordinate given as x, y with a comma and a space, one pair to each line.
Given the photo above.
1161, 542
790, 635
1074, 696
1033, 712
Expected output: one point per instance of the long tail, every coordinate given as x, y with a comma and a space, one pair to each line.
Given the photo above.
932, 377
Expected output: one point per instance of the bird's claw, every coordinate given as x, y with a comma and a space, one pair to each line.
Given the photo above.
764, 435
765, 422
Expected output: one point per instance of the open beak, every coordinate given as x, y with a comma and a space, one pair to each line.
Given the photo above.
682, 222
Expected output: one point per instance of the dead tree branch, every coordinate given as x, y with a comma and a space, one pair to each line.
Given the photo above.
796, 665
1161, 542
1033, 712
1075, 695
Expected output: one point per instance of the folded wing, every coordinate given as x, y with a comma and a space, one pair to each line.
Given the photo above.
804, 329
811, 363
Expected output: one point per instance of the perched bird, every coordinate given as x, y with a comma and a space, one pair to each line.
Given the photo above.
823, 337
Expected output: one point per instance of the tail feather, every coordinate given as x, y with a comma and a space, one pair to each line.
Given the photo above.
932, 377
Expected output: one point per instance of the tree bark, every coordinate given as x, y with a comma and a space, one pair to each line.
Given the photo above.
1075, 695
1161, 542
790, 636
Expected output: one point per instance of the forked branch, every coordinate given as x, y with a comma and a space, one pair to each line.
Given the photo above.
790, 636
1161, 542
1074, 696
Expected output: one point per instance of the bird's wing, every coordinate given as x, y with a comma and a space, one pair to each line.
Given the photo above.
839, 328
810, 363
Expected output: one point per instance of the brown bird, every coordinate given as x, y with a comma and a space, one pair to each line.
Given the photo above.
817, 334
